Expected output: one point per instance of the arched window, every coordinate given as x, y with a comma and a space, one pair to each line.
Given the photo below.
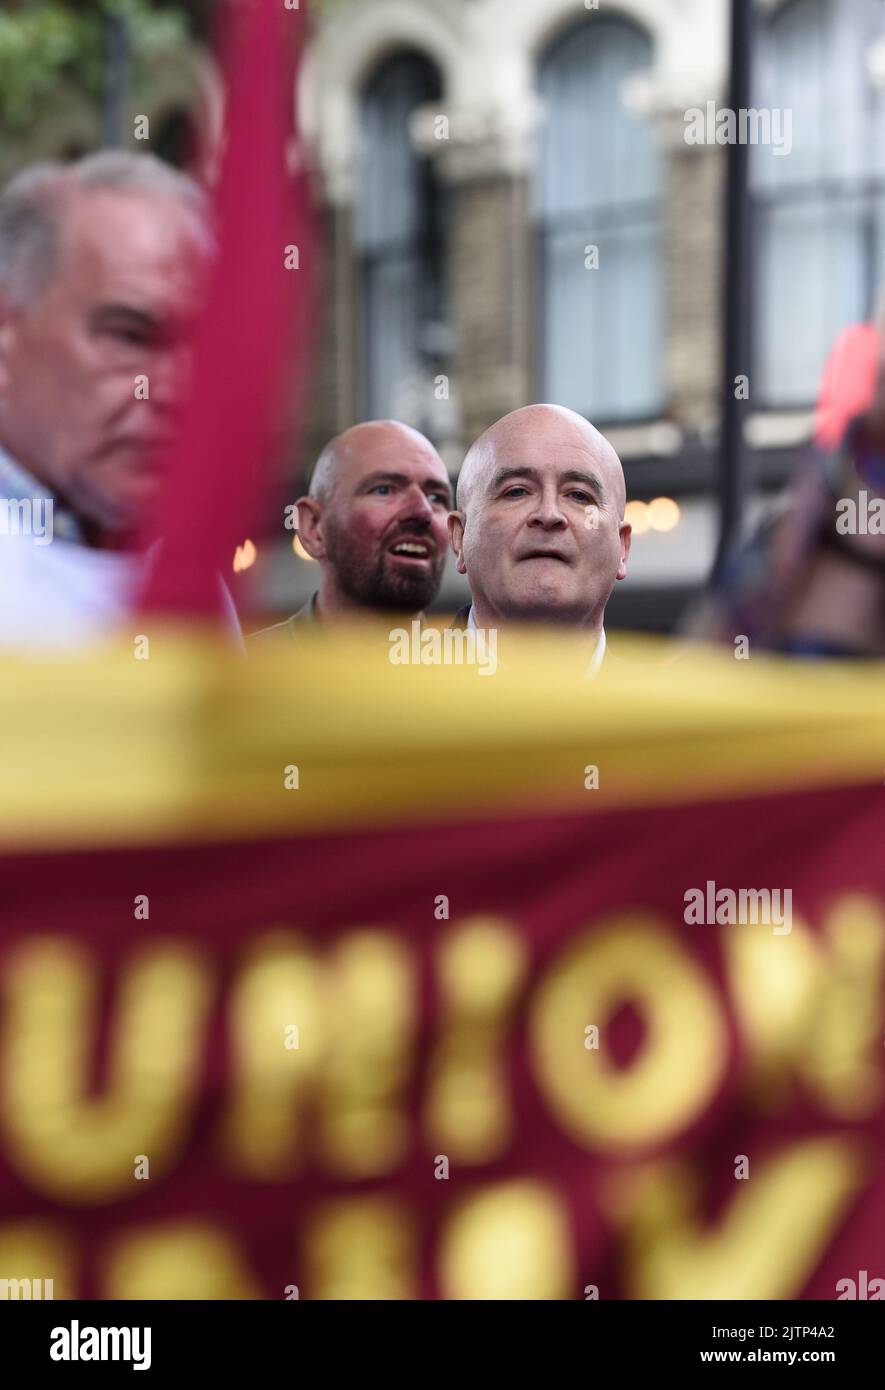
598, 194
819, 202
400, 235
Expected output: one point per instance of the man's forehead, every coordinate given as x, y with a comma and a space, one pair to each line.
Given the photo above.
555, 457
109, 233
394, 451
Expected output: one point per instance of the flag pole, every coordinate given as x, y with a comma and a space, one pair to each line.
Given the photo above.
117, 57
736, 299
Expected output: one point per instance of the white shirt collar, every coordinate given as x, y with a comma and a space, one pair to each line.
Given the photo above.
16, 484
598, 654
595, 660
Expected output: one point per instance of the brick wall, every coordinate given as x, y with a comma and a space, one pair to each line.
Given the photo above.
692, 283
492, 293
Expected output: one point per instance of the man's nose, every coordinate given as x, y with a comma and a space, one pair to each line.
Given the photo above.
548, 512
417, 506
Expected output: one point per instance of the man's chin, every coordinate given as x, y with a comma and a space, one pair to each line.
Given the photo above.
404, 593
117, 513
113, 522
564, 610
403, 599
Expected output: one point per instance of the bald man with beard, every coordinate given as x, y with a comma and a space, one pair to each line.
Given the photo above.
374, 519
539, 529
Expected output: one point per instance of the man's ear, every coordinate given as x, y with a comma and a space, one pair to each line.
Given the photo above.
310, 527
626, 535
456, 539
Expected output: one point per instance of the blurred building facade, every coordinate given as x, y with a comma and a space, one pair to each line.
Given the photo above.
171, 94
511, 212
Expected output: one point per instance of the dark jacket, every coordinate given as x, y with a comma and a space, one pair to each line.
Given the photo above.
290, 631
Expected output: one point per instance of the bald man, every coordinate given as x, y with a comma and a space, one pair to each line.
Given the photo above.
539, 529
374, 519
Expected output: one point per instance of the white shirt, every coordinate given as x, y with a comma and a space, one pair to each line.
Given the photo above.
595, 660
63, 593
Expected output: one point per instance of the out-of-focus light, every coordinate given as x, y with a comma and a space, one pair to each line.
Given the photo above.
637, 515
663, 514
245, 557
299, 549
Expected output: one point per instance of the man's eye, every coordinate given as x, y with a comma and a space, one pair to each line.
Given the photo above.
516, 491
441, 497
132, 337
580, 496
382, 488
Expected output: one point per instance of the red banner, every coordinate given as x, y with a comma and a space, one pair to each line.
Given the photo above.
492, 1060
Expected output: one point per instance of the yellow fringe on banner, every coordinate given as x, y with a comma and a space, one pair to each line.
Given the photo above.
191, 742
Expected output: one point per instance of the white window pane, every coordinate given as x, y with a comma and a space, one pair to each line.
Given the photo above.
812, 282
399, 212
819, 252
599, 185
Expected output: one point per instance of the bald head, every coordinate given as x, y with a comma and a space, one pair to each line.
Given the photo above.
375, 519
540, 529
550, 426
368, 444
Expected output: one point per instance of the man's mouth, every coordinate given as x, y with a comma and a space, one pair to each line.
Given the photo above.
411, 550
145, 454
545, 555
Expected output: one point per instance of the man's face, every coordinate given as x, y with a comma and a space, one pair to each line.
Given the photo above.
542, 537
117, 309
383, 530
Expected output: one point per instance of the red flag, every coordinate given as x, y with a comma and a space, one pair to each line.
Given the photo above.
257, 302
849, 383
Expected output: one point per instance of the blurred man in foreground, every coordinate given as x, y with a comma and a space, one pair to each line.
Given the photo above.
539, 528
375, 520
102, 263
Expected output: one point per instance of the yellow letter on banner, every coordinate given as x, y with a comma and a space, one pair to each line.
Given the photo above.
370, 1002
482, 964
766, 1245
509, 1241
329, 1038
177, 1260
683, 1055
37, 1250
360, 1248
263, 1130
65, 1144
811, 1005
